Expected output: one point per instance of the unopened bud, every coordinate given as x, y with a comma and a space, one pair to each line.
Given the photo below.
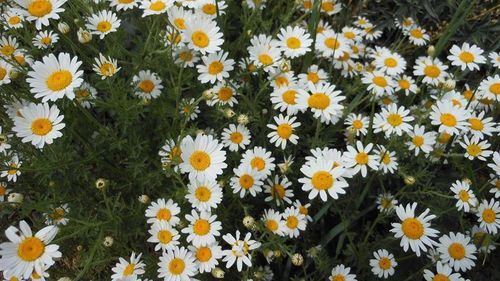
297, 259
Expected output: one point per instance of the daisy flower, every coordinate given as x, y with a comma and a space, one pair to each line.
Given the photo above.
393, 119
352, 34
323, 101
449, 118
178, 16
41, 11
235, 137
331, 44
103, 23
357, 123
260, 159
105, 66
482, 240
490, 87
57, 216
12, 172
163, 211
474, 148
39, 124
323, 178
278, 190
85, 95
256, 4
283, 131
240, 250
294, 222
391, 63
45, 39
495, 59
55, 77
202, 158
443, 272
314, 75
405, 23
246, 179
155, 7
294, 41
125, 270
359, 157
415, 232
8, 46
273, 222
266, 57
4, 191
177, 265
285, 99
418, 36
330, 7
495, 181
123, 4
480, 127
407, 84
340, 272
206, 257
14, 19
386, 203
185, 56
26, 253
383, 264
5, 71
163, 235
421, 140
467, 56
224, 94
387, 159
147, 84
379, 83
281, 79
202, 229
432, 70
189, 108
495, 165
489, 215
215, 67
204, 195
464, 195
457, 250
4, 141
170, 154
202, 34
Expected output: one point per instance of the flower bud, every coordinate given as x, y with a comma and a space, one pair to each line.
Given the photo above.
218, 273
208, 95
249, 222
409, 180
63, 27
229, 113
297, 259
144, 199
15, 198
243, 119
431, 51
108, 241
84, 36
101, 183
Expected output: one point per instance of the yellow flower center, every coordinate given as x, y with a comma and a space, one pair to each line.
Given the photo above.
476, 124
468, 94
258, 163
107, 69
157, 6
39, 8
293, 43
176, 266
147, 86
489, 216
349, 35
203, 254
3, 190
332, 43
3, 73
412, 228
272, 225
444, 138
265, 59
318, 101
338, 277
384, 263
322, 180
125, 1
417, 33
466, 57
278, 191
103, 26
200, 39
203, 194
175, 152
390, 62
46, 40
284, 131
448, 119
327, 6
380, 81
215, 67
209, 9
386, 203
186, 56
474, 149
180, 23
14, 20
225, 94
361, 158
236, 137
13, 169
57, 214
164, 214
357, 124
41, 126
386, 159
432, 71
456, 251
281, 81
201, 227
313, 77
418, 141
495, 88
303, 210
59, 80
246, 181
292, 222
164, 236
129, 270
394, 119
200, 160
404, 84
30, 249
440, 277
289, 97
8, 50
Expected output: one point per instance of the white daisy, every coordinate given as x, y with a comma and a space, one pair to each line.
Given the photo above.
432, 70
123, 4
495, 181
386, 203
342, 273
407, 84
323, 101
285, 99
105, 66
163, 211
55, 77
418, 36
467, 56
155, 7
13, 18
273, 222
177, 265
379, 83
147, 84
357, 123
278, 190
443, 272
235, 137
495, 165
202, 229
41, 11
294, 41
421, 140
58, 215
323, 177
390, 63
393, 119
45, 39
480, 127
206, 257
383, 264
294, 222
246, 179
359, 157
240, 250
204, 195
415, 232
215, 67
387, 159
5, 71
283, 131
12, 171
189, 108
259, 158
489, 215
39, 124
224, 94
474, 148
85, 95
490, 88
163, 235
495, 59
125, 270
449, 118
203, 34
103, 23
331, 44
466, 199
457, 250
